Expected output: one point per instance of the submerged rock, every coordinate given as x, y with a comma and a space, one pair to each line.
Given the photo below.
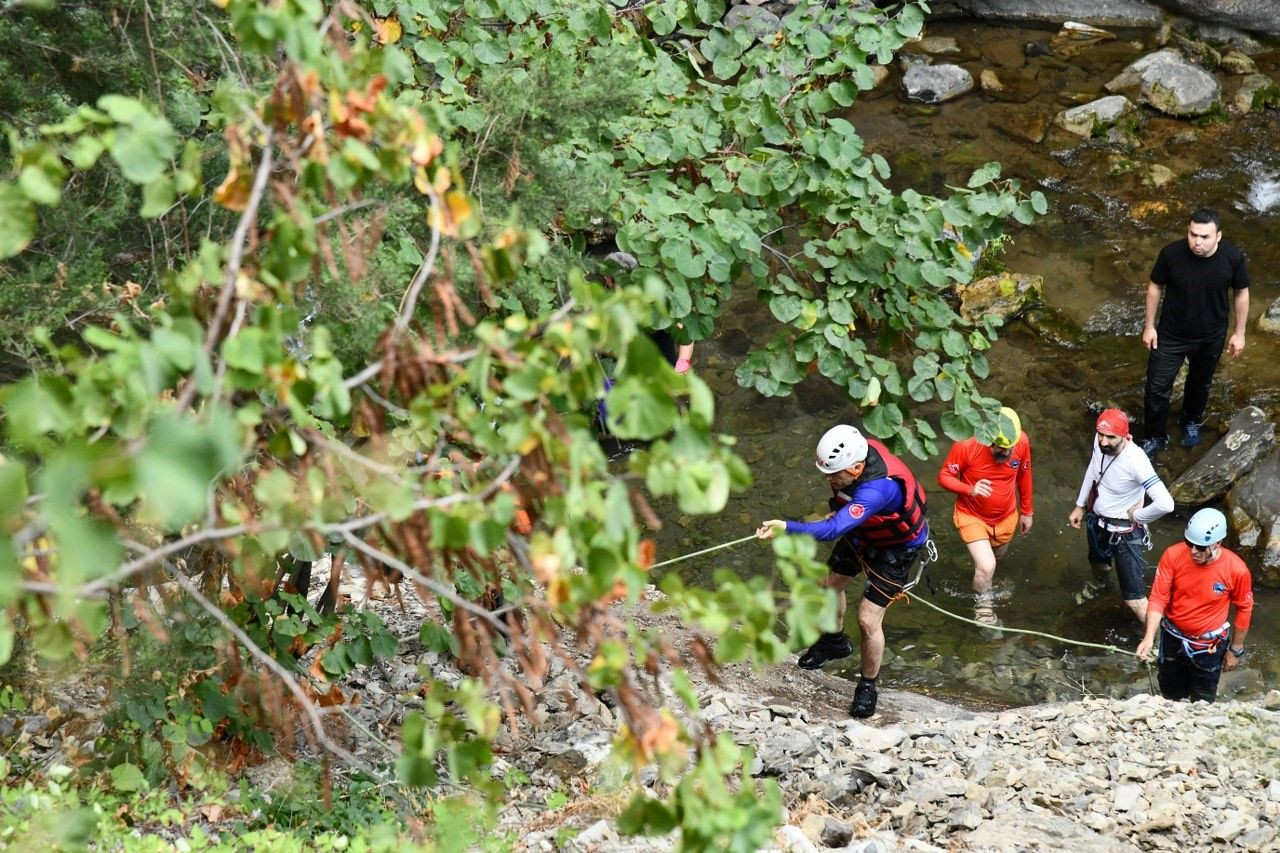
935, 84
1096, 116
1055, 327
1006, 295
1250, 434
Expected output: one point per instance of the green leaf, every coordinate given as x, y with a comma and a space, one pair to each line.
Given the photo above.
157, 196
984, 175
127, 777
17, 220
143, 149
40, 185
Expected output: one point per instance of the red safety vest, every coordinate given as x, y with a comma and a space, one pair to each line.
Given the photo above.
896, 528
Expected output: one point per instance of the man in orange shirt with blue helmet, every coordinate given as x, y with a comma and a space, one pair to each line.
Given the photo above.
1197, 582
992, 483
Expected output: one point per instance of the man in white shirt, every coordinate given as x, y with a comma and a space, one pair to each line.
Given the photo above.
1115, 487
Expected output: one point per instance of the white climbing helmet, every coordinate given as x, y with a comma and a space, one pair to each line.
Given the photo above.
840, 448
1206, 527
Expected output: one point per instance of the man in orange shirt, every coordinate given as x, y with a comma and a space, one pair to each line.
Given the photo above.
992, 483
1196, 584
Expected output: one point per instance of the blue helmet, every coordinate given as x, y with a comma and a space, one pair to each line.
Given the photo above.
1206, 527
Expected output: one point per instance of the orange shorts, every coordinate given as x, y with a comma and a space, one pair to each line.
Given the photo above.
974, 529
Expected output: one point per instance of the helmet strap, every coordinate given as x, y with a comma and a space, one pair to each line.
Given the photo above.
857, 468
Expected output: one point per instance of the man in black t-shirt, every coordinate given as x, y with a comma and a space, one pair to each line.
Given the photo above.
1197, 277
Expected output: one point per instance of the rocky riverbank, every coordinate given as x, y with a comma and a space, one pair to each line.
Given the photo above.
1094, 774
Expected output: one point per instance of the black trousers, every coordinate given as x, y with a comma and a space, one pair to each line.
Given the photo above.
1162, 368
1185, 676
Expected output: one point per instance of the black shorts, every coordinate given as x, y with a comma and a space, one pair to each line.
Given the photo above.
886, 568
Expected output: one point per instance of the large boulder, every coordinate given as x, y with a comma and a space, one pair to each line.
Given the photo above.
1095, 117
1254, 505
933, 84
1170, 84
1250, 434
1258, 16
1105, 13
1005, 295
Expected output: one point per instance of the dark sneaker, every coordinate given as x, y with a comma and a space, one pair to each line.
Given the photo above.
828, 647
1152, 446
864, 699
1191, 435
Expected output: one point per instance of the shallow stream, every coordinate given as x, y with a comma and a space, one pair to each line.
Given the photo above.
1094, 249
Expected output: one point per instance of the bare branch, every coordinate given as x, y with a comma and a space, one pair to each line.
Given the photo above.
348, 208
410, 300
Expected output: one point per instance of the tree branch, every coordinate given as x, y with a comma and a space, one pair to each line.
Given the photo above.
410, 300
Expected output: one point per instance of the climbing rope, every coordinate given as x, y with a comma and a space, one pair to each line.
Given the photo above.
931, 556
703, 551
958, 617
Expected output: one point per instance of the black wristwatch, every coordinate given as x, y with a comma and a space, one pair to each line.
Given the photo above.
1239, 653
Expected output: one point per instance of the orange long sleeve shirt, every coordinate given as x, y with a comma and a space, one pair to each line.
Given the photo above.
970, 461
1197, 599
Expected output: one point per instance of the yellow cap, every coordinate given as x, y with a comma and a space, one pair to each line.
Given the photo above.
1009, 428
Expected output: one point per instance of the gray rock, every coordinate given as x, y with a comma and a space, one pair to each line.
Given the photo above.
1249, 94
1249, 435
1235, 62
1254, 507
1182, 90
758, 21
935, 84
1169, 83
1089, 119
1258, 16
1105, 13
1132, 75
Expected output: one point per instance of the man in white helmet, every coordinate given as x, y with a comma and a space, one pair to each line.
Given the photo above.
878, 518
1196, 584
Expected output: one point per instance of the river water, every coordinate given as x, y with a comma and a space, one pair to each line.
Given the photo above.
1094, 249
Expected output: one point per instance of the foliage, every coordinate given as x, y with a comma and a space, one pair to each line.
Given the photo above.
90, 256
175, 461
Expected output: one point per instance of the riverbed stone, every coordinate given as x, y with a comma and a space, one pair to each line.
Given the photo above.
1235, 62
1023, 124
936, 84
1006, 295
1169, 83
1089, 119
1250, 434
1255, 92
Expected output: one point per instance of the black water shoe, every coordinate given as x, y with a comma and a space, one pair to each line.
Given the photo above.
864, 699
1191, 435
828, 647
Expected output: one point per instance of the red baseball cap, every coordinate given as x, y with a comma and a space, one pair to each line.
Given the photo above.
1113, 422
